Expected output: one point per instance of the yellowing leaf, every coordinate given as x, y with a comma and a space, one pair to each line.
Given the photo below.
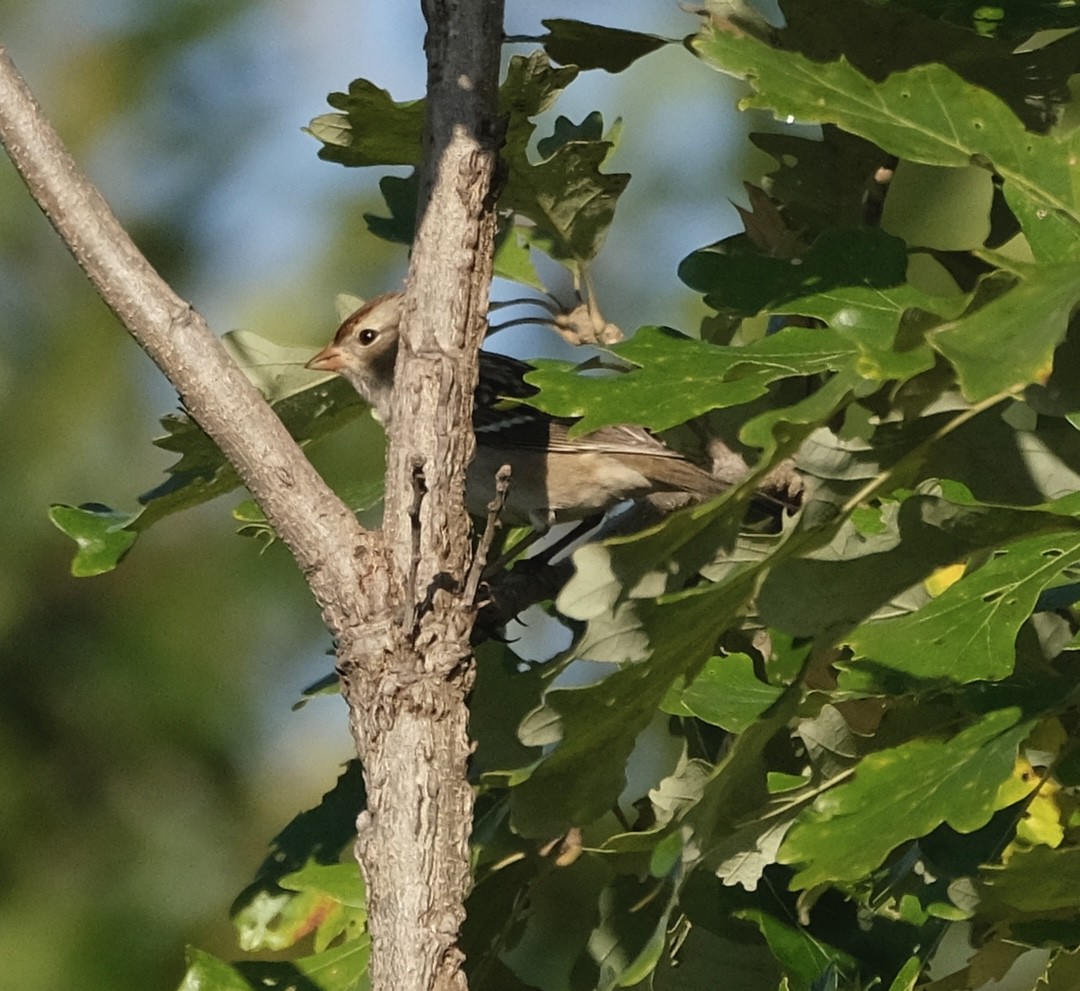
1042, 824
1019, 784
942, 578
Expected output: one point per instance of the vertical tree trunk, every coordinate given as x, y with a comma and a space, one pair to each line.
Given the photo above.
407, 695
394, 599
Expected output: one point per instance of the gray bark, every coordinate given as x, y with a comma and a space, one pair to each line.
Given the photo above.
395, 599
410, 700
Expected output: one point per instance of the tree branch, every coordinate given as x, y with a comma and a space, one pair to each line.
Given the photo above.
396, 600
318, 528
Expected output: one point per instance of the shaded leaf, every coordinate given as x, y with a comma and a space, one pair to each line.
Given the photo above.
805, 959
629, 936
737, 277
972, 38
590, 46
1036, 880
943, 208
598, 725
562, 912
1062, 973
567, 197
822, 184
400, 196
1009, 342
371, 128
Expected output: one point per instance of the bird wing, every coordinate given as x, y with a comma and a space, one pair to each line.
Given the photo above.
495, 413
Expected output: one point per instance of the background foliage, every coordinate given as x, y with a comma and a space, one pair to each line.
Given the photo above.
838, 755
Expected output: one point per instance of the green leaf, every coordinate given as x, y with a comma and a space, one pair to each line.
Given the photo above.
334, 900
400, 195
736, 277
317, 835
1036, 880
598, 725
310, 411
590, 46
502, 696
908, 975
926, 114
943, 208
371, 128
725, 693
566, 131
1062, 973
678, 378
276, 922
628, 939
342, 882
341, 968
969, 632
1009, 342
780, 432
100, 533
565, 195
207, 973
903, 793
569, 199
513, 259
982, 43
531, 86
877, 322
550, 940
821, 183
806, 959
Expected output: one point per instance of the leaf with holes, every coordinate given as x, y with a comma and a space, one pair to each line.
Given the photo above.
901, 793
969, 632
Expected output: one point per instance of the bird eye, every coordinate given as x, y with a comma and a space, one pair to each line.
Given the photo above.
367, 336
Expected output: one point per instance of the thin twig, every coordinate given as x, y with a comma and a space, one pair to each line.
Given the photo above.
494, 521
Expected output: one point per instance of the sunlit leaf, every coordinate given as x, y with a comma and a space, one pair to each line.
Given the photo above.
725, 692
926, 114
901, 793
676, 378
207, 973
968, 632
1009, 343
100, 532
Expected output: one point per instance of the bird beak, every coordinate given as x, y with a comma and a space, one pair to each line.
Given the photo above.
329, 359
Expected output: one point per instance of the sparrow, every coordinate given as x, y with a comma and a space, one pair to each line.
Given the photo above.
554, 478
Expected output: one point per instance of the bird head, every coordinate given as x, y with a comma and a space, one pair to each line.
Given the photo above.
364, 351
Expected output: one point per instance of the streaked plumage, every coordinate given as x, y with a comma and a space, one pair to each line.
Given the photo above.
554, 478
